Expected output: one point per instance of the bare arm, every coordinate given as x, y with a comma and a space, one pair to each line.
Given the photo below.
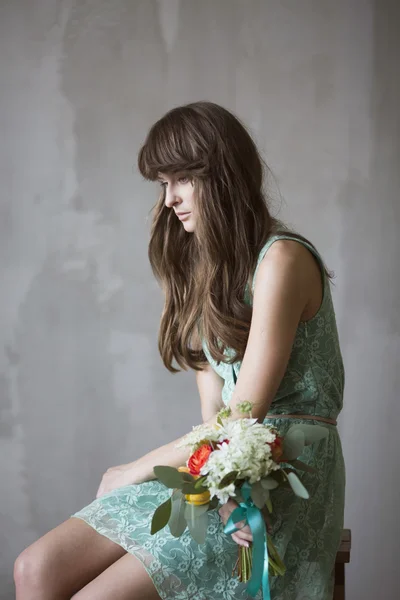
142, 468
210, 386
282, 291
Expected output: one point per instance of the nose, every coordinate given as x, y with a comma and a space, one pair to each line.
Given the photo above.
170, 197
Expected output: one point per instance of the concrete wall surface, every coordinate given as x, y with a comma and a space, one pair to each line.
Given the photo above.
82, 386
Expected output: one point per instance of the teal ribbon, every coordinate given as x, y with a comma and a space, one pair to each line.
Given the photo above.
248, 512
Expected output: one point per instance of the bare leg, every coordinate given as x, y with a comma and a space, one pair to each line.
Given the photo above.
63, 561
126, 579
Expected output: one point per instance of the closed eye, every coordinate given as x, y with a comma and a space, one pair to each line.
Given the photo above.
182, 180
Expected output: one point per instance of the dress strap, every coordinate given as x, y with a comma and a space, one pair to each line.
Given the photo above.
305, 417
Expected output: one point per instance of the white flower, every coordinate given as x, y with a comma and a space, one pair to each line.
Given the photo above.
224, 494
199, 433
248, 453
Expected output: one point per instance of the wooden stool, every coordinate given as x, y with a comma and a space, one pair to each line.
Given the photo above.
342, 557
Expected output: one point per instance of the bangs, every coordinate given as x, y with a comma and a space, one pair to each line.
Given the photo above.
169, 148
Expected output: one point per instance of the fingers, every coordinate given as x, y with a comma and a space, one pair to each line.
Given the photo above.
245, 534
243, 537
241, 541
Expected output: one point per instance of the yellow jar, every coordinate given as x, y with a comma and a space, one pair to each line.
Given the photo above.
198, 499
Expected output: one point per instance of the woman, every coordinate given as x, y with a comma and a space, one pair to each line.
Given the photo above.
248, 307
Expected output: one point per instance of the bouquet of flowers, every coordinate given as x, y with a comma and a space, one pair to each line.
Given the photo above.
240, 459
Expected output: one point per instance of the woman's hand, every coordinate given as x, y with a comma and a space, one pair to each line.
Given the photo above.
115, 477
242, 537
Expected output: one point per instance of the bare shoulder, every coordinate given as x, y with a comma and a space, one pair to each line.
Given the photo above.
288, 258
290, 266
290, 253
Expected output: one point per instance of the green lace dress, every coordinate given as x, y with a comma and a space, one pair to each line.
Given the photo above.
306, 533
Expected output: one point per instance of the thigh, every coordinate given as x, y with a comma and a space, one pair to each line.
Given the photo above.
126, 579
65, 559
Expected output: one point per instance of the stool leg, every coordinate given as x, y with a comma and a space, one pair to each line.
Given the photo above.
339, 592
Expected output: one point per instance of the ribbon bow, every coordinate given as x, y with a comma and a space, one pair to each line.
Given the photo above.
248, 512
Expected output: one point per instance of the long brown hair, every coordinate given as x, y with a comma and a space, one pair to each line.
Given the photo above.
204, 274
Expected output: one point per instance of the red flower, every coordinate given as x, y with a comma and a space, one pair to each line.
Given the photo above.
199, 458
277, 448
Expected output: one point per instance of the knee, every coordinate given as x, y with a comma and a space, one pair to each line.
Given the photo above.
29, 570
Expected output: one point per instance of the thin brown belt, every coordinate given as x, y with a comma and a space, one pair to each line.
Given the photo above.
307, 417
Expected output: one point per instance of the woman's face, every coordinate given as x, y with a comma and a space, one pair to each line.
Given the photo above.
179, 195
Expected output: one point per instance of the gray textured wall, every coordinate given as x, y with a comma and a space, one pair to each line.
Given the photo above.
82, 386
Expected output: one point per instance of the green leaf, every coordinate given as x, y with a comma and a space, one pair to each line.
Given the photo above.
269, 504
281, 478
227, 479
193, 512
169, 476
312, 433
268, 483
273, 556
299, 464
213, 503
190, 488
266, 497
177, 522
293, 444
188, 477
297, 486
198, 527
278, 476
161, 516
176, 494
259, 494
200, 481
